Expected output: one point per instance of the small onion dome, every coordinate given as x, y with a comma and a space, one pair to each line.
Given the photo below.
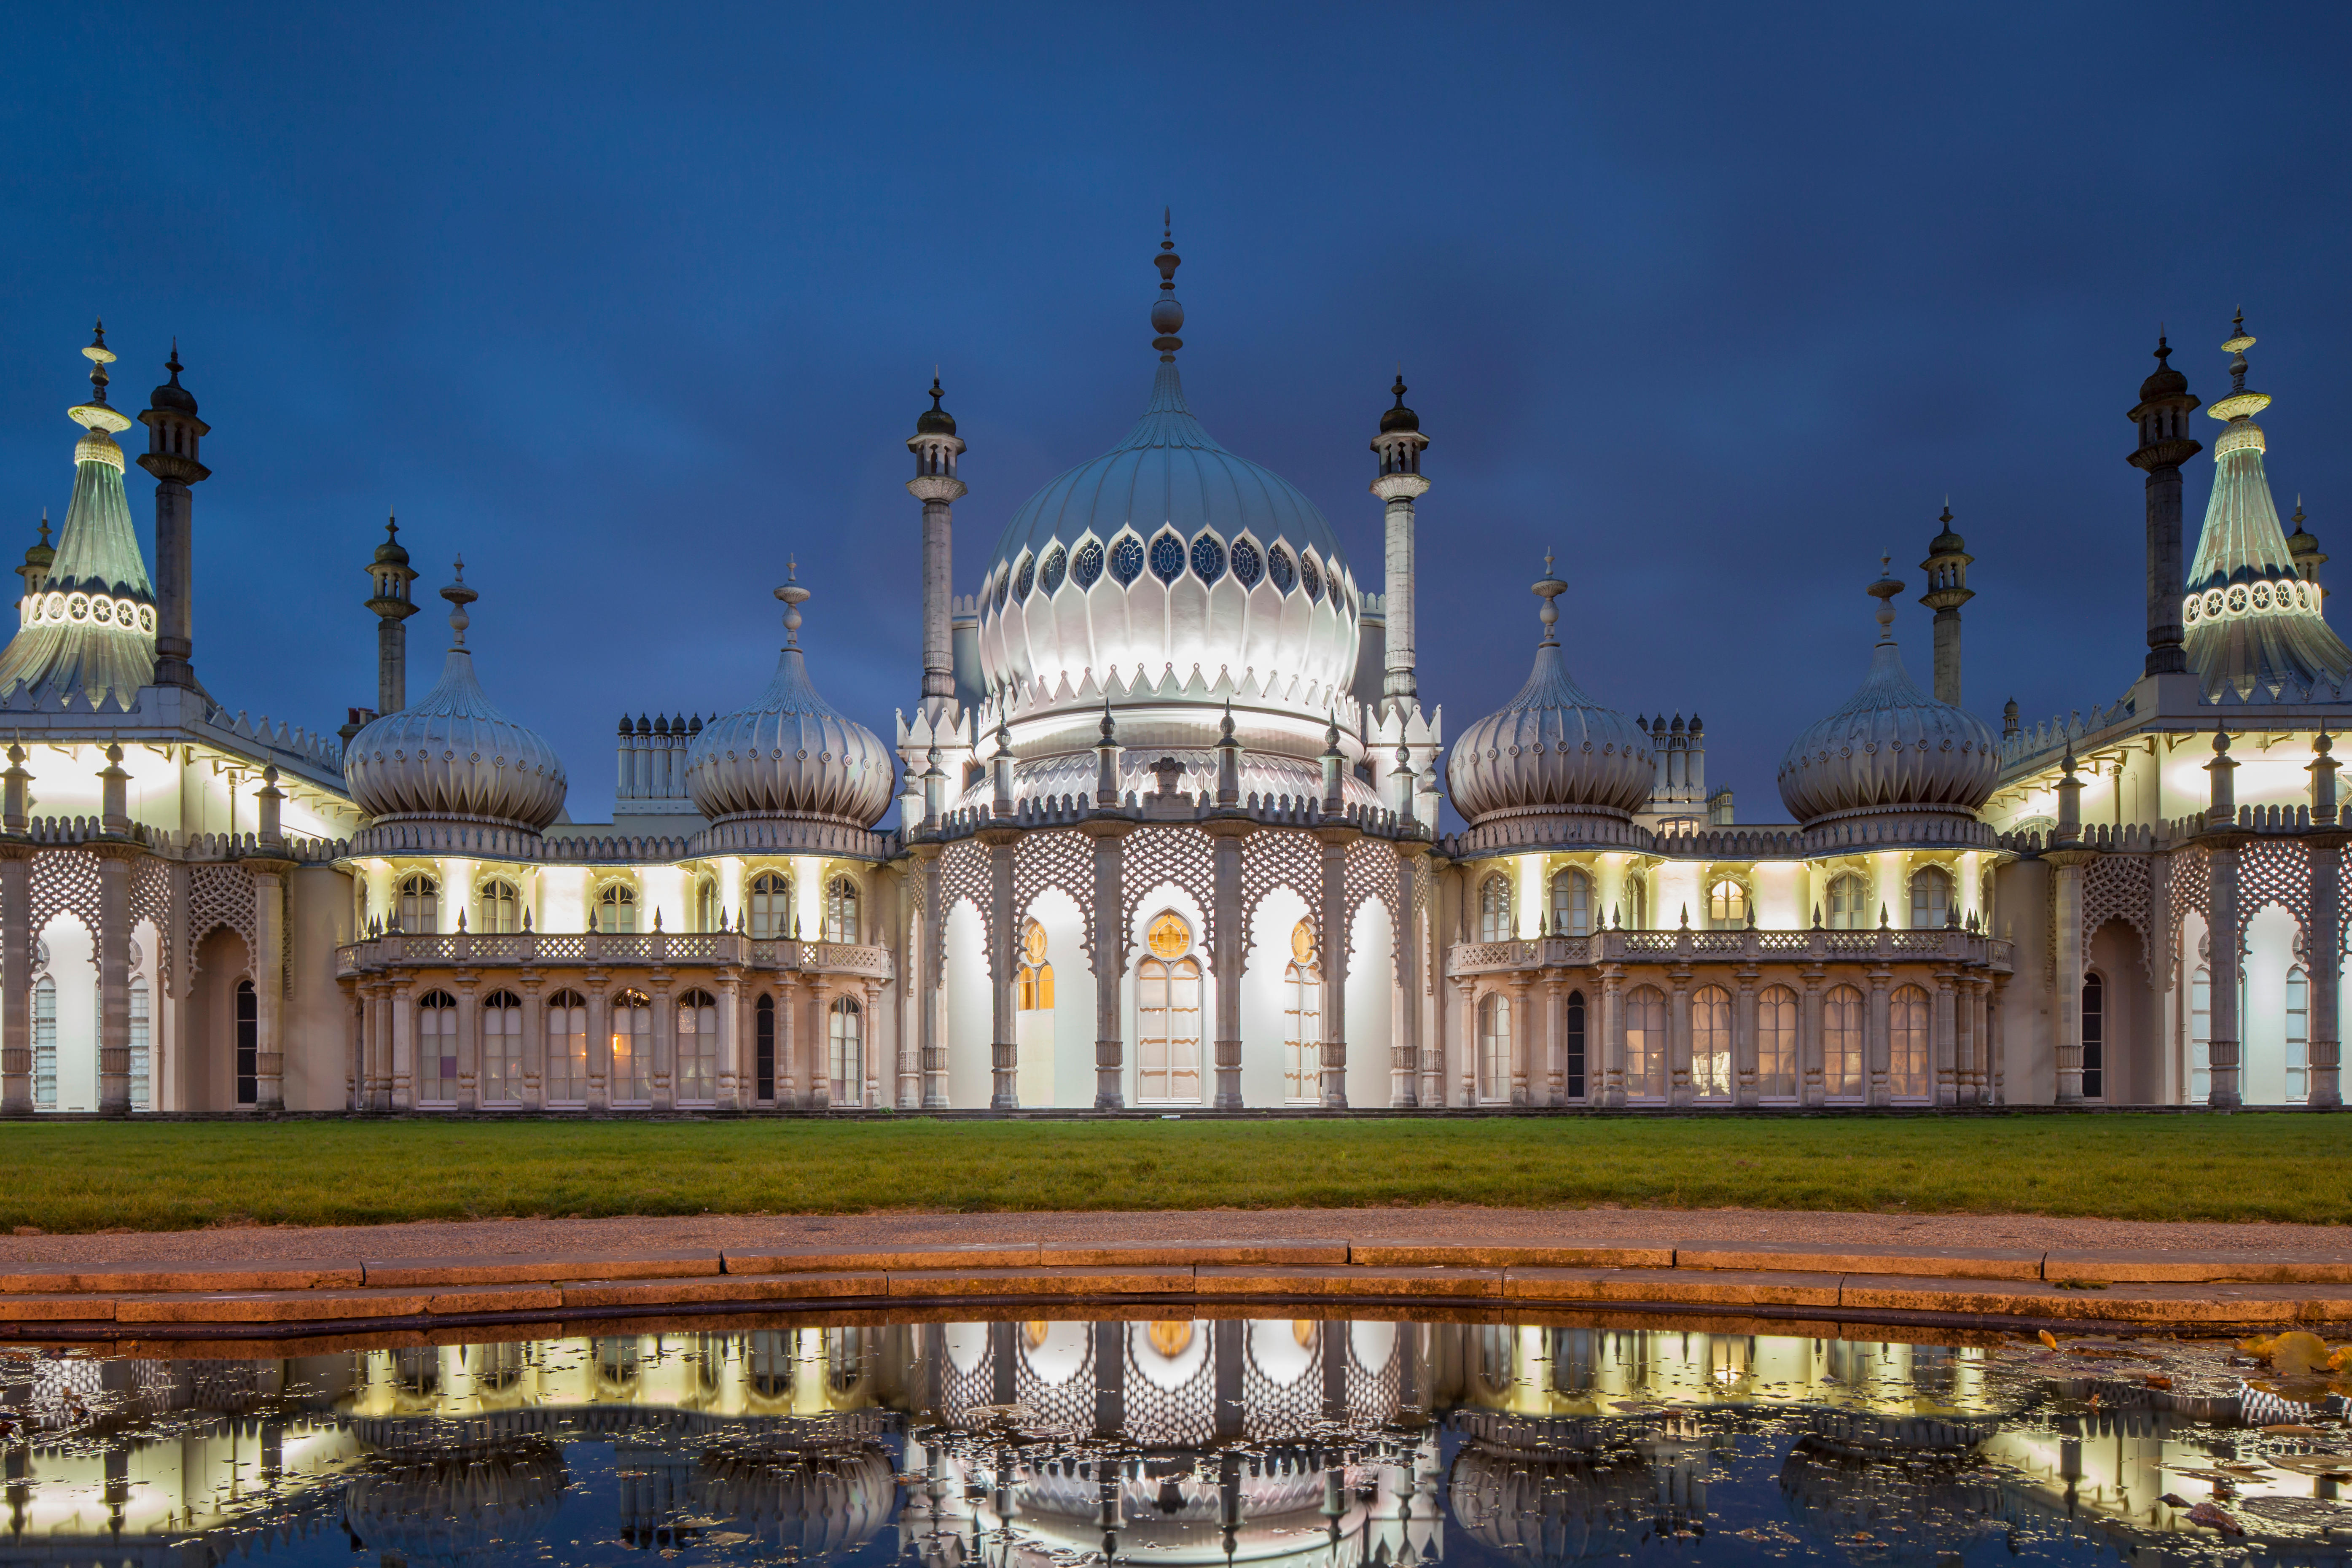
935, 420
171, 395
1552, 748
1947, 543
454, 756
791, 752
40, 554
2165, 381
1892, 748
1399, 418
392, 553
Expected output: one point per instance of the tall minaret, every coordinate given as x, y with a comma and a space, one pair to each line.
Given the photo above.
936, 448
390, 573
1948, 589
2162, 415
1399, 445
172, 432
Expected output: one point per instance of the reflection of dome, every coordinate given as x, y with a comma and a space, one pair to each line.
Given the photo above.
791, 752
1551, 1511
1552, 750
453, 756
813, 1504
1906, 1511
1891, 750
458, 1508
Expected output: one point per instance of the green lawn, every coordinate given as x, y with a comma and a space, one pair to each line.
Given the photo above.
162, 1176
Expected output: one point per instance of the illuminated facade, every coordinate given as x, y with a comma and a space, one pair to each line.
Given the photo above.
1159, 832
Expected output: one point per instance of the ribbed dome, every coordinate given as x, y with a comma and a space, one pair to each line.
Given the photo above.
1552, 749
1891, 749
791, 752
454, 756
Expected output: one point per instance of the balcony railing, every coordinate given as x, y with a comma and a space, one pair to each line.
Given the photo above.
517, 950
1970, 949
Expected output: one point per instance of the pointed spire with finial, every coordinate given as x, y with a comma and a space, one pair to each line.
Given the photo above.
795, 596
1167, 312
1550, 588
1884, 591
2241, 404
96, 416
459, 596
935, 420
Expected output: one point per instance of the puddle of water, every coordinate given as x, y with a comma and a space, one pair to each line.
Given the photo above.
1298, 1443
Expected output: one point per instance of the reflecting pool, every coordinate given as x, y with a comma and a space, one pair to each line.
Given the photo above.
1308, 1443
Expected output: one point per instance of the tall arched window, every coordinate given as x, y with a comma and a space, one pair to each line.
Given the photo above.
846, 1027
1168, 1008
437, 1048
1645, 1043
1495, 908
841, 923
1710, 1017
772, 907
1571, 902
501, 1025
1726, 904
616, 910
2095, 1032
44, 1043
707, 915
698, 1048
1931, 897
2201, 1035
1775, 1043
1910, 1056
248, 1043
1637, 902
1849, 902
141, 1070
1842, 1048
1984, 902
500, 911
1576, 1089
632, 1048
567, 1048
420, 904
1494, 1048
2298, 1038
1302, 1019
1032, 985
763, 1043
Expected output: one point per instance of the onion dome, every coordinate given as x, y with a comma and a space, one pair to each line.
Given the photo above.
468, 1506
1399, 418
1552, 750
935, 420
1892, 749
171, 395
38, 556
454, 757
815, 1503
791, 752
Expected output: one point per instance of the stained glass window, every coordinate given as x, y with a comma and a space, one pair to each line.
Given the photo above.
1167, 558
1208, 559
1279, 567
1127, 559
1088, 568
1169, 936
1312, 578
1248, 564
1055, 565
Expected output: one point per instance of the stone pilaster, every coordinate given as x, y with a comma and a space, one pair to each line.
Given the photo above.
2324, 946
114, 976
931, 1041
1523, 1041
1555, 1088
1232, 942
269, 982
1004, 948
1875, 1038
2067, 929
1744, 1088
1813, 1088
1404, 1014
1612, 1039
16, 946
1680, 1088
1333, 929
2226, 937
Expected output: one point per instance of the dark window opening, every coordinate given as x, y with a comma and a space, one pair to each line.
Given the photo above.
1576, 1044
2094, 1038
248, 1043
763, 1032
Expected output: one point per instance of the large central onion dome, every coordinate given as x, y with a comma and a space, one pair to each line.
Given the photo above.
1892, 749
1552, 750
1169, 553
454, 757
791, 752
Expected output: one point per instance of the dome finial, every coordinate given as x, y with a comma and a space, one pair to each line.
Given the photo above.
1167, 313
99, 357
1884, 591
459, 596
1551, 588
795, 596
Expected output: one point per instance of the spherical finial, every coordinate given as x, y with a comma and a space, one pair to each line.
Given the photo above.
1225, 725
459, 596
1884, 591
2221, 739
1550, 588
1167, 313
2323, 743
795, 596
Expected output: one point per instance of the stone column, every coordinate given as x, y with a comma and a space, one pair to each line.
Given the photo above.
1967, 1031
788, 1007
1812, 1090
931, 1039
1003, 982
269, 982
2324, 947
1680, 1089
819, 1045
1429, 1001
732, 1074
530, 985
600, 1040
665, 1062
401, 1000
1995, 1045
17, 943
470, 1042
1523, 1039
2227, 939
1555, 1037
1333, 927
1466, 1000
1946, 1081
114, 977
1874, 1032
1612, 1041
1404, 1013
1743, 1036
2066, 928
1232, 942
1109, 837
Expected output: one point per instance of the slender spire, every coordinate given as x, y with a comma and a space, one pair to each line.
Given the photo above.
1551, 588
1167, 312
459, 596
795, 596
1884, 591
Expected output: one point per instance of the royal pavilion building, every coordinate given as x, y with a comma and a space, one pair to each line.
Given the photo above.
1160, 829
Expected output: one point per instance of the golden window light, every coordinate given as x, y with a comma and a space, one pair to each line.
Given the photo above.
1032, 943
1170, 1338
1168, 936
1302, 942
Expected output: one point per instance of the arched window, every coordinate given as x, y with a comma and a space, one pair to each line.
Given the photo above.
1033, 984
698, 1048
1494, 1048
2298, 1035
764, 1042
141, 1073
1576, 1080
1710, 1015
772, 907
841, 910
1726, 904
1495, 908
248, 1043
437, 1048
1645, 1043
1984, 903
501, 1027
1931, 897
1842, 1054
847, 1024
706, 916
44, 1043
420, 904
1302, 1019
2095, 1032
1168, 1008
1910, 1060
1775, 1043
1571, 903
1849, 902
632, 1048
567, 1048
616, 910
502, 909
1637, 902
2201, 1035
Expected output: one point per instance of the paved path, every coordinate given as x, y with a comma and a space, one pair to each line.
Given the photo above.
447, 1238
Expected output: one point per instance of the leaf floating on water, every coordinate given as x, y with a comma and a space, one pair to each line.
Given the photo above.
2048, 1338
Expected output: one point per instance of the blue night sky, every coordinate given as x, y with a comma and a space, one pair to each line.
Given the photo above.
629, 305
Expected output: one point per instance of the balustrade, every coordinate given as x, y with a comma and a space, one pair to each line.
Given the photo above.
1640, 947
